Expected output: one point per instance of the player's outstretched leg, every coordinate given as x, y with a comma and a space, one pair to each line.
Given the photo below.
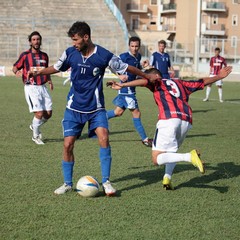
167, 178
208, 91
67, 169
67, 166
35, 127
105, 160
193, 157
139, 127
220, 94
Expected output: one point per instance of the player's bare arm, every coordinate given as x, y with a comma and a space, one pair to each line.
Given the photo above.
117, 86
224, 72
44, 71
136, 71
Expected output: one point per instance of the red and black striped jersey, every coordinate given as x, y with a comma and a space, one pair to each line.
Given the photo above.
172, 97
29, 61
216, 64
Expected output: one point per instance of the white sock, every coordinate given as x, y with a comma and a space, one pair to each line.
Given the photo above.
44, 120
165, 158
169, 170
220, 93
36, 123
208, 90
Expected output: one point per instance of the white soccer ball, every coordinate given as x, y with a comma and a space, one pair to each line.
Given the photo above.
87, 186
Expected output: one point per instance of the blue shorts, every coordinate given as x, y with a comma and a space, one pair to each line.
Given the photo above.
74, 122
126, 101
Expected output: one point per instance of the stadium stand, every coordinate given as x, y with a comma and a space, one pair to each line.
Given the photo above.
52, 19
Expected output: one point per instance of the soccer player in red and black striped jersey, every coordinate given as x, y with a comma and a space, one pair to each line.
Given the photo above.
216, 64
174, 118
36, 93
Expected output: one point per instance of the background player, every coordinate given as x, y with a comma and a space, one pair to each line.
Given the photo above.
126, 98
175, 118
216, 64
36, 93
161, 61
86, 100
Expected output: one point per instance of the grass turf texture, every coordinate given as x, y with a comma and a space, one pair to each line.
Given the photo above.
201, 207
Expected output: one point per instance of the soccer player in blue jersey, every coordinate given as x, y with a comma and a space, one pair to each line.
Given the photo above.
88, 62
161, 61
126, 98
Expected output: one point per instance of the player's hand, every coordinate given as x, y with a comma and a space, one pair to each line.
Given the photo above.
123, 77
50, 85
172, 74
18, 73
145, 63
114, 85
224, 72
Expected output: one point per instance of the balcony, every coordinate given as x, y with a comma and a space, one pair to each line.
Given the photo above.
214, 6
169, 28
216, 30
137, 8
168, 8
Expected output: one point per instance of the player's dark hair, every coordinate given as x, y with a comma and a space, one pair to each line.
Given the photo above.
80, 28
34, 34
153, 71
134, 39
217, 49
162, 42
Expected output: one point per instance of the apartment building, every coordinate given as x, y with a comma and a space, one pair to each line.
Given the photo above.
187, 25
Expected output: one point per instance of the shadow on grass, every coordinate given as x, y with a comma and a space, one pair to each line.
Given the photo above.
203, 110
85, 136
225, 170
233, 100
221, 171
201, 135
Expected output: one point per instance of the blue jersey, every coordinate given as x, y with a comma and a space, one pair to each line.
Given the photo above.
161, 62
131, 60
86, 93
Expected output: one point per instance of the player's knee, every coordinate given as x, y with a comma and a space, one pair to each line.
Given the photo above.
119, 113
103, 140
68, 146
154, 159
38, 115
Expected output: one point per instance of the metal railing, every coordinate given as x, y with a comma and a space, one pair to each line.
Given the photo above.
170, 6
216, 5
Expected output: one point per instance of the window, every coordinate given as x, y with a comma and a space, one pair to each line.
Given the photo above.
234, 20
214, 19
234, 41
153, 2
236, 1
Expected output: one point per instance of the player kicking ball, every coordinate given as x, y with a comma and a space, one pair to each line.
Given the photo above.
174, 118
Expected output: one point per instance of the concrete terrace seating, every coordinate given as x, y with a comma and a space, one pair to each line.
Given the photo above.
52, 19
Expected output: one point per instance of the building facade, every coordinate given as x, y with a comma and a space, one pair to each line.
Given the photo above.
190, 26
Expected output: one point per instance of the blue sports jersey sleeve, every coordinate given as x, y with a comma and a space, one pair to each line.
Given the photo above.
62, 64
117, 65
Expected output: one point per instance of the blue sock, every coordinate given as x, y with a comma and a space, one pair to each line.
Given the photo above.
139, 127
110, 114
67, 168
105, 159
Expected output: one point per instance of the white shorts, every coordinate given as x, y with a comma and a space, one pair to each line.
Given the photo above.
38, 98
170, 134
219, 82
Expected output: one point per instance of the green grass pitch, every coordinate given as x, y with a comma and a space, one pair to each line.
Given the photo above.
201, 207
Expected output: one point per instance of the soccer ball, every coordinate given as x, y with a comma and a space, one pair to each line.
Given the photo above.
87, 186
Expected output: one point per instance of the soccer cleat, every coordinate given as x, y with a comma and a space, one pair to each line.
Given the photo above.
167, 184
196, 161
221, 101
39, 135
205, 99
63, 189
148, 142
38, 140
108, 188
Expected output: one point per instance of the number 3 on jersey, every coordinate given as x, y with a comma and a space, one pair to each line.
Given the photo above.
174, 88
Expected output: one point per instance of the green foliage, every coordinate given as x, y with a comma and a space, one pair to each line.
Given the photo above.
201, 207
